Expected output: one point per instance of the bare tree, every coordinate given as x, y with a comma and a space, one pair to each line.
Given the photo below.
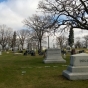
61, 40
39, 25
5, 35
22, 35
10, 36
86, 40
67, 12
78, 43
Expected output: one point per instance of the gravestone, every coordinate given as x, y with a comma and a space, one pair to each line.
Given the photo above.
0, 49
20, 47
78, 68
15, 49
53, 56
7, 47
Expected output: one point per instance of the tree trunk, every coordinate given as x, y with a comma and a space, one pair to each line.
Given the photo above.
40, 45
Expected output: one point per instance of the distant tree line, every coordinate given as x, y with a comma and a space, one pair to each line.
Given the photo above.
11, 39
70, 13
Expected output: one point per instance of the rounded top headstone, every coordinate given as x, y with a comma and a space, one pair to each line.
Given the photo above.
7, 46
73, 46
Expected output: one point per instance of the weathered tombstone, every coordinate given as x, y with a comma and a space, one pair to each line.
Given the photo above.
20, 47
64, 55
7, 47
0, 53
0, 49
15, 49
53, 56
78, 68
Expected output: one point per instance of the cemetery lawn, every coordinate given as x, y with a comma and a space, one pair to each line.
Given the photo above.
18, 71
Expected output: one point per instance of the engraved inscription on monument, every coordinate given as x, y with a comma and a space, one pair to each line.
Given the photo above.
78, 68
84, 60
53, 56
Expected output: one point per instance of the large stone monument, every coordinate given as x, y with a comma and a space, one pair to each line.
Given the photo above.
53, 56
78, 68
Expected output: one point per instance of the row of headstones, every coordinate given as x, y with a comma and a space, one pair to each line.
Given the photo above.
15, 50
7, 47
78, 68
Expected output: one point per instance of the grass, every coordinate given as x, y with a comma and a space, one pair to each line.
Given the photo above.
18, 71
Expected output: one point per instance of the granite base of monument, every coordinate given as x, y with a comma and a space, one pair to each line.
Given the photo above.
78, 68
53, 56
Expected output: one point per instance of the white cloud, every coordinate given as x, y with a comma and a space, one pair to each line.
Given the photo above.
13, 12
80, 33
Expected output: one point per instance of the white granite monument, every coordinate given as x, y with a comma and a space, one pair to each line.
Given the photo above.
78, 68
53, 56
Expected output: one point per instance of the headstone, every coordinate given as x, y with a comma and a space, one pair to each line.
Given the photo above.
7, 47
15, 49
0, 53
53, 56
0, 49
64, 55
78, 68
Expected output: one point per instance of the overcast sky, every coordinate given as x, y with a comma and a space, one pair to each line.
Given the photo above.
13, 12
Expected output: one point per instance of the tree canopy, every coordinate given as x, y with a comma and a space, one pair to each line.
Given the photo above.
67, 12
